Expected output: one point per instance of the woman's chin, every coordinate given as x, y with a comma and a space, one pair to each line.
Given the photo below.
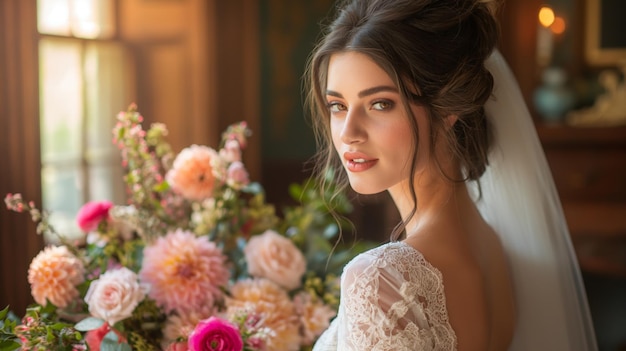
365, 189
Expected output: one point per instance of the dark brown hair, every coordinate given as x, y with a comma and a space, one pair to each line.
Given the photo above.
434, 50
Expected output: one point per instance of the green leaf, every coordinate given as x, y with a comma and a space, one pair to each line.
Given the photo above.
253, 188
9, 345
49, 335
110, 342
49, 308
58, 326
111, 336
161, 187
89, 323
4, 312
295, 190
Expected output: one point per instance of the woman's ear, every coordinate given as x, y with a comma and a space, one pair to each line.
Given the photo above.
450, 120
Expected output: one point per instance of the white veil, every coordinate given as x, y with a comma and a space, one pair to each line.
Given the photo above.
520, 202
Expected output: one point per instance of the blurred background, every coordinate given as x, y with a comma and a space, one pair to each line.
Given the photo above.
67, 67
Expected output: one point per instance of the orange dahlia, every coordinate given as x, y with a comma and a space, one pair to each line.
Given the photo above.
273, 305
314, 315
182, 324
53, 276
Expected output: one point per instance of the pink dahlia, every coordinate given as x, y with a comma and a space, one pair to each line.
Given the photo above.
184, 271
215, 334
196, 172
54, 274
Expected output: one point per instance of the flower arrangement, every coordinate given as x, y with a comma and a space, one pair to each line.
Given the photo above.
196, 260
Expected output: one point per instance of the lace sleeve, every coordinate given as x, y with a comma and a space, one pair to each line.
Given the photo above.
393, 299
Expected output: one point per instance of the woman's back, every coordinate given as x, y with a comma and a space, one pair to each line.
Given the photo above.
500, 293
396, 298
478, 289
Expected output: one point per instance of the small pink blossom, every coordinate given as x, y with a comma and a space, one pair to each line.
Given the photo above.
275, 257
237, 175
238, 132
92, 213
215, 334
231, 152
114, 296
14, 202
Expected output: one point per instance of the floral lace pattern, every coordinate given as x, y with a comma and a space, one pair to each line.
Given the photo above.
392, 299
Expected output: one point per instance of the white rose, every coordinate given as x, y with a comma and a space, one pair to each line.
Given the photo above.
272, 256
114, 296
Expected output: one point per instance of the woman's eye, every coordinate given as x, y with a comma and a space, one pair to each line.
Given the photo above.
336, 107
382, 105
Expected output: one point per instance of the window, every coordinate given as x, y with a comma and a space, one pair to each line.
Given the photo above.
84, 81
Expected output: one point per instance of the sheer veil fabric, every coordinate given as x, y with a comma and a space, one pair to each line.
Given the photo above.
519, 200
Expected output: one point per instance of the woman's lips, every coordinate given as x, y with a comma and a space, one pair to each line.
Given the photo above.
358, 162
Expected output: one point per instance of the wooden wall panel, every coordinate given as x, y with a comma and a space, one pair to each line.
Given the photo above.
19, 148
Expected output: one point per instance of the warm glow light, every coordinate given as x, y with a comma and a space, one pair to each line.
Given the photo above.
558, 27
546, 16
53, 17
85, 21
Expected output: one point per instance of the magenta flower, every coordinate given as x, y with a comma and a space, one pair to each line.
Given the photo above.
90, 215
215, 334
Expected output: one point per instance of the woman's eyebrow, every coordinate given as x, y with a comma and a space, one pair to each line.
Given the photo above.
334, 93
366, 92
377, 89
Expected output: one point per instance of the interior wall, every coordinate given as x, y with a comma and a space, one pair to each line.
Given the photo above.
19, 148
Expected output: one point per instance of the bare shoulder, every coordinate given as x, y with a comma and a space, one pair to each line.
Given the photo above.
465, 286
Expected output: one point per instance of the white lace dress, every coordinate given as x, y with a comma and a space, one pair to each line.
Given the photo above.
391, 299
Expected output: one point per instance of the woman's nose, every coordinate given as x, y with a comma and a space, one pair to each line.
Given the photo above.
353, 130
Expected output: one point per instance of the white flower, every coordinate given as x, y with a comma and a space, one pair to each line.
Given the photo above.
114, 296
124, 220
231, 152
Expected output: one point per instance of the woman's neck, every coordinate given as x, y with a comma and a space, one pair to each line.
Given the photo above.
436, 196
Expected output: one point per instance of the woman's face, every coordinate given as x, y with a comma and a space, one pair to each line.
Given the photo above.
369, 125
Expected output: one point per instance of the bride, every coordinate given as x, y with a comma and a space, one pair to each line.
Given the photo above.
412, 98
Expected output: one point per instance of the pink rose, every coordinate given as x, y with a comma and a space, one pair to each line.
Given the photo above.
114, 296
215, 334
237, 176
90, 215
275, 257
94, 337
